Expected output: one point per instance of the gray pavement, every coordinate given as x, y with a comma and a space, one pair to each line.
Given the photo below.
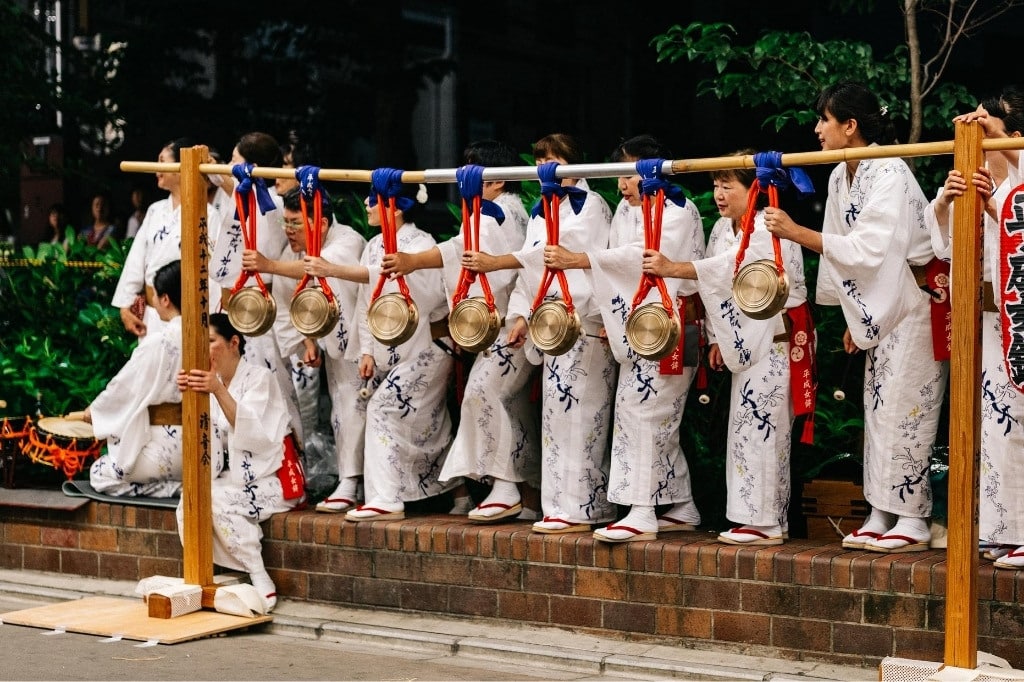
308, 641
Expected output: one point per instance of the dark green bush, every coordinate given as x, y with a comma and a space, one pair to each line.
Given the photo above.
60, 339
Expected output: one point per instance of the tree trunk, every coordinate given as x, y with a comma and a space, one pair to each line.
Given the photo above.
910, 10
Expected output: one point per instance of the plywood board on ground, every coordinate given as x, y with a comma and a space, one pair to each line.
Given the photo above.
129, 619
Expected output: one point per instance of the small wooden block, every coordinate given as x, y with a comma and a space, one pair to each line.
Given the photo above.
171, 602
159, 606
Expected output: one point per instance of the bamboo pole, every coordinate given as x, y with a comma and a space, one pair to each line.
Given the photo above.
197, 524
603, 170
964, 410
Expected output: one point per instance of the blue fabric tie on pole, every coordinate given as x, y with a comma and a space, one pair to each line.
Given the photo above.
247, 183
770, 172
551, 186
470, 179
309, 185
387, 182
652, 179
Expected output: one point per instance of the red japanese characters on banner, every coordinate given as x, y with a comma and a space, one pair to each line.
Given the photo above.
1011, 282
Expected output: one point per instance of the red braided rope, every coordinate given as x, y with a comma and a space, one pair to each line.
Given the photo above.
389, 236
314, 240
247, 222
551, 223
747, 226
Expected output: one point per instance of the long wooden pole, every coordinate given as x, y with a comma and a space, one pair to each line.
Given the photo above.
964, 410
197, 524
603, 170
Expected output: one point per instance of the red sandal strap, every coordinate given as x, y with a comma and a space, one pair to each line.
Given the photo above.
500, 505
740, 530
905, 538
632, 530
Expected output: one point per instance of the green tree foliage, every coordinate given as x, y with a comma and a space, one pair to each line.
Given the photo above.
785, 70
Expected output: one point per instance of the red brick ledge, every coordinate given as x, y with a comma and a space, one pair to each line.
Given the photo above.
805, 599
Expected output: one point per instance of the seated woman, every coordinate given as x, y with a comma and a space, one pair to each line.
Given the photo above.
250, 427
139, 412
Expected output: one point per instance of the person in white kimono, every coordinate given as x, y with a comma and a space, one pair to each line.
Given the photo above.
295, 153
498, 438
1001, 502
157, 243
576, 403
408, 428
873, 234
143, 457
648, 467
340, 244
249, 422
757, 352
258, 149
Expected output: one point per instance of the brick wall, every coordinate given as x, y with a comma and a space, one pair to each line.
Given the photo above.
806, 599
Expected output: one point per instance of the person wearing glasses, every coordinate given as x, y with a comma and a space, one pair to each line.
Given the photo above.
340, 244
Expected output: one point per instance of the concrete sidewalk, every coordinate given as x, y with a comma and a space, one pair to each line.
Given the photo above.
477, 640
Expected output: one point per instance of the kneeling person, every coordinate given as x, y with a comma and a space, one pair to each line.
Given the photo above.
139, 411
250, 424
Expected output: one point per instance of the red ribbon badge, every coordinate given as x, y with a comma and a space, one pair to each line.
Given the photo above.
936, 274
293, 480
803, 367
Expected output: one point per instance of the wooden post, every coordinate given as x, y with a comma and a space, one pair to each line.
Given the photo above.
197, 524
964, 409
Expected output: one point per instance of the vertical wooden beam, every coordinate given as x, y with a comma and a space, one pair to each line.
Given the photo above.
964, 409
197, 525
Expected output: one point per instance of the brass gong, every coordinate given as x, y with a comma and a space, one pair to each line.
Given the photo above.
392, 319
760, 290
652, 331
553, 329
473, 325
313, 314
251, 311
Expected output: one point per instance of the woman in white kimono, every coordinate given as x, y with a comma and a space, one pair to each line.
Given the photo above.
873, 234
757, 352
648, 467
498, 438
258, 149
143, 458
576, 407
408, 428
341, 244
157, 243
1001, 503
250, 423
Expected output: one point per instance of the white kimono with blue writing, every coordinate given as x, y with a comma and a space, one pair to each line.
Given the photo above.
246, 491
343, 245
157, 243
873, 227
141, 459
757, 447
499, 428
576, 408
648, 467
225, 269
408, 428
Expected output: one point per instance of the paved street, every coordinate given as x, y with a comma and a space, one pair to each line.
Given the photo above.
32, 654
309, 641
